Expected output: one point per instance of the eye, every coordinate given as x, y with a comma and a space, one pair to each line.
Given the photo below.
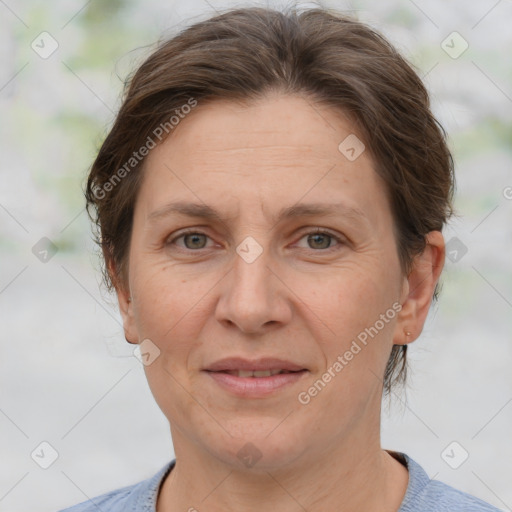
192, 240
317, 240
321, 240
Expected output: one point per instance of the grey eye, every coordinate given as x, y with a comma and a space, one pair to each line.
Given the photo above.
320, 240
196, 240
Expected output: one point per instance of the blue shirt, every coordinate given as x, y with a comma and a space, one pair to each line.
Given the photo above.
422, 495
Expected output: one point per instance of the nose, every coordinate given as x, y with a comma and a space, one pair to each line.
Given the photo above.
253, 296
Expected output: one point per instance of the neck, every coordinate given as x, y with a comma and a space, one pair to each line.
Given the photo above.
346, 479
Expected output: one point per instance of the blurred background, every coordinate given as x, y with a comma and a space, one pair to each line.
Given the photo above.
76, 415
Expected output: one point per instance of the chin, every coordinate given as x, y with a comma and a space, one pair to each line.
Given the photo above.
259, 449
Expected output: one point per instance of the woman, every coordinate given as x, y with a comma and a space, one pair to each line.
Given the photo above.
270, 203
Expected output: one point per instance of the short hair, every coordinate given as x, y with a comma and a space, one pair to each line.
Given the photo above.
243, 54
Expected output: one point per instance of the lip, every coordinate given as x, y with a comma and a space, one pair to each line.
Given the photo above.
255, 387
264, 363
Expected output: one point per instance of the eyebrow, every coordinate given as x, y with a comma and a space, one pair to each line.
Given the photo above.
204, 211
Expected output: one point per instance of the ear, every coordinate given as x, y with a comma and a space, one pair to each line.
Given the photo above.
418, 289
125, 306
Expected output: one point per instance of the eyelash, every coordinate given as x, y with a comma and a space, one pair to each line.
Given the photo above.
317, 231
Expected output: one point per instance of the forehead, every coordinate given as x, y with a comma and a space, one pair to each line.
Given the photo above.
272, 152
289, 122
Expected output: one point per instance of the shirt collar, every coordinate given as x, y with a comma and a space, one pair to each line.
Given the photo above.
145, 499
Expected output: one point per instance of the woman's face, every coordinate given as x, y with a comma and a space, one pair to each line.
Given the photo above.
254, 282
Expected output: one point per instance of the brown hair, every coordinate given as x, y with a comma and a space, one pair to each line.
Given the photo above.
243, 54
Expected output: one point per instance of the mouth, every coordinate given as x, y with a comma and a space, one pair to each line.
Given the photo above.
257, 373
255, 378
255, 383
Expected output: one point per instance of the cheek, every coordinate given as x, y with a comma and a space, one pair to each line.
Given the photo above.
349, 299
348, 309
166, 298
171, 312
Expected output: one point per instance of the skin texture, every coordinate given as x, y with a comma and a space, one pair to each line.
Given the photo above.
304, 299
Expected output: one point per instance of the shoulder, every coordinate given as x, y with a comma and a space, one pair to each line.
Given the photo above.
426, 495
112, 501
135, 497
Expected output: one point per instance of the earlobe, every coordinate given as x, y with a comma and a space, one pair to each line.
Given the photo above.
125, 302
126, 309
420, 286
